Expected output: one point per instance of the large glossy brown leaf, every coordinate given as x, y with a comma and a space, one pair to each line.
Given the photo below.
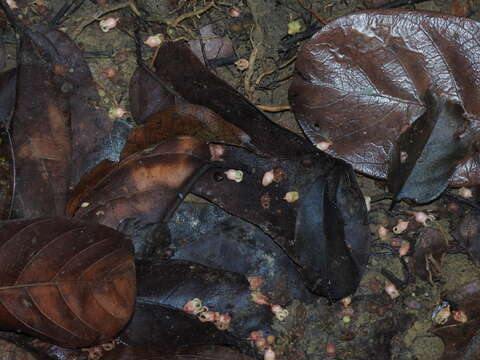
427, 153
360, 82
66, 281
41, 138
90, 124
181, 70
325, 231
210, 352
185, 119
146, 186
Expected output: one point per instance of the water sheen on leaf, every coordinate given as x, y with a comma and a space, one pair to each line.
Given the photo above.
361, 79
68, 282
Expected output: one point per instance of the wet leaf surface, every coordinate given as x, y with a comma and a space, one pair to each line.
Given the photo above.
187, 353
457, 335
194, 82
427, 153
147, 186
360, 82
185, 119
296, 225
68, 282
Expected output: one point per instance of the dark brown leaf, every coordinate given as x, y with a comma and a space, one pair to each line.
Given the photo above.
186, 119
215, 47
187, 76
69, 282
360, 82
325, 229
427, 153
211, 352
8, 84
41, 139
147, 96
147, 185
89, 121
6, 175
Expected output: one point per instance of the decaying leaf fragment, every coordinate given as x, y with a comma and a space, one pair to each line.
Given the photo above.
468, 234
68, 282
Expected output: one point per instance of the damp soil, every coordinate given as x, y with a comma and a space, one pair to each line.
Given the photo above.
373, 326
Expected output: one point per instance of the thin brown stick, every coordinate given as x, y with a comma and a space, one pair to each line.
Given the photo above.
320, 19
272, 108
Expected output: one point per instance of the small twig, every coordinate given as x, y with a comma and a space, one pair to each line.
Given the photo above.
279, 108
14, 171
249, 89
57, 19
178, 20
320, 19
398, 3
462, 200
270, 72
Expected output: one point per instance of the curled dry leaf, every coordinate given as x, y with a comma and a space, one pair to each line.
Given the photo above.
458, 336
147, 185
211, 352
327, 224
68, 282
147, 96
185, 119
360, 82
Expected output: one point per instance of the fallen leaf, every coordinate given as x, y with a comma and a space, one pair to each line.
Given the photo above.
215, 47
359, 82
65, 281
186, 119
427, 153
6, 175
214, 93
147, 186
147, 96
430, 249
468, 235
211, 352
8, 84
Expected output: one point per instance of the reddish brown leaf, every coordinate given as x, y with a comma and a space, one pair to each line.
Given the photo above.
69, 282
185, 119
360, 82
147, 185
430, 249
215, 47
147, 96
41, 139
468, 234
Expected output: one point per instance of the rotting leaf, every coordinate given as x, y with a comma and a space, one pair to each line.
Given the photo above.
468, 234
65, 281
345, 229
215, 47
195, 83
147, 96
147, 186
210, 352
360, 80
41, 139
457, 335
185, 119
427, 153
430, 249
